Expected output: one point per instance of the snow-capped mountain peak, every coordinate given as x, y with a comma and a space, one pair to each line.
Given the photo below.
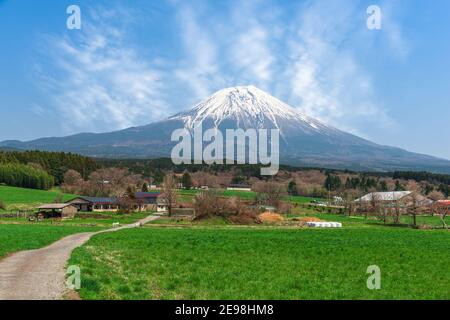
248, 107
304, 140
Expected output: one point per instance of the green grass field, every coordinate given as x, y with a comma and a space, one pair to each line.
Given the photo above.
353, 221
174, 258
105, 219
23, 199
264, 263
188, 195
17, 237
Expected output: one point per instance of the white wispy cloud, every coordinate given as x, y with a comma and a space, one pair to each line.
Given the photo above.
306, 60
393, 32
250, 50
310, 60
326, 80
102, 82
198, 69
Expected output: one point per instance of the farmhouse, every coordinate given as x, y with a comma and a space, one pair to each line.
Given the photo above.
57, 210
146, 200
142, 201
89, 204
402, 198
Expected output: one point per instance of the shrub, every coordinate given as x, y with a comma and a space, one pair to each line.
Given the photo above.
209, 204
245, 216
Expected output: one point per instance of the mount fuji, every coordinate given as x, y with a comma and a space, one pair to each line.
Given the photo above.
304, 141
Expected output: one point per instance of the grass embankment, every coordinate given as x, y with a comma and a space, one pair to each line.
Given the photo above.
16, 237
25, 199
261, 263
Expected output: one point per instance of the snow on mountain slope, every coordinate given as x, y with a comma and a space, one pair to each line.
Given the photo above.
250, 107
304, 141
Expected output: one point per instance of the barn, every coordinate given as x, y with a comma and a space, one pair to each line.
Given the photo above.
57, 210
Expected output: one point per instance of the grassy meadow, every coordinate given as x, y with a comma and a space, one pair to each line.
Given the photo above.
103, 220
25, 199
264, 263
17, 237
188, 195
176, 258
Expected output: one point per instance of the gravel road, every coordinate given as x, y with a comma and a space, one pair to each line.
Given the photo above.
40, 274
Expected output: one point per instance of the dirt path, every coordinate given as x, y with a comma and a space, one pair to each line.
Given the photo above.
40, 274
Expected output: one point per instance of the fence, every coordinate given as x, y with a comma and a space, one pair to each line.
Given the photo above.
17, 214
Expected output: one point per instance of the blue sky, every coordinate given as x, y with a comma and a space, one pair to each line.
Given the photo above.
135, 62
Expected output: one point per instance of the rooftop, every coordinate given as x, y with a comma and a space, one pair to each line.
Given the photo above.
147, 194
54, 206
385, 196
102, 200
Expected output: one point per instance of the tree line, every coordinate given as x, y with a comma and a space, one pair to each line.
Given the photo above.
25, 176
41, 169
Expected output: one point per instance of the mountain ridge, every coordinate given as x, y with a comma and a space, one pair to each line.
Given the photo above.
305, 141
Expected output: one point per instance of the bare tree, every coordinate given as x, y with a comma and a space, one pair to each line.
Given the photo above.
73, 182
270, 193
397, 212
377, 207
201, 178
436, 195
414, 207
112, 182
348, 198
441, 209
127, 202
208, 203
169, 193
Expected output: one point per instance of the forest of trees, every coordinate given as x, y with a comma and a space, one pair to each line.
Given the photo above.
421, 176
308, 181
28, 165
156, 168
25, 176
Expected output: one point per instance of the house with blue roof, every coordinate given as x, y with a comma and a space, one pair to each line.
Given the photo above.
143, 201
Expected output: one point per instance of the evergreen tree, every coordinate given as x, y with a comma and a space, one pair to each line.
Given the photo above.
292, 188
332, 182
383, 185
445, 189
186, 180
158, 177
398, 186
